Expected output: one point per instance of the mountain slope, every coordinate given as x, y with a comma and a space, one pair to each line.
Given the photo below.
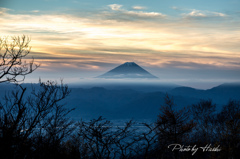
127, 70
220, 94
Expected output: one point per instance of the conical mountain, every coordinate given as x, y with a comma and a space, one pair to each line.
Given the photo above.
127, 70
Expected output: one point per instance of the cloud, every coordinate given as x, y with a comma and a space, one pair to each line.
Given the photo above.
203, 14
145, 14
191, 65
138, 7
4, 10
117, 7
198, 14
177, 8
35, 11
68, 40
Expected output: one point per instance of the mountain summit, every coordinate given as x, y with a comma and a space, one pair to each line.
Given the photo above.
127, 70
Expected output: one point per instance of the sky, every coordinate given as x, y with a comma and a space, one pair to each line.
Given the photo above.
180, 41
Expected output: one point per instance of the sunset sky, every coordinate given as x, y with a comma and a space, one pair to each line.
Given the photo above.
180, 41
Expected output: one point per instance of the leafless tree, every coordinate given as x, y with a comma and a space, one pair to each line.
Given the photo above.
22, 117
147, 141
32, 118
98, 138
12, 52
173, 126
228, 129
204, 116
125, 140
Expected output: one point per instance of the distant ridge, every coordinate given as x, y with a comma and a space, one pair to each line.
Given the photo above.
127, 70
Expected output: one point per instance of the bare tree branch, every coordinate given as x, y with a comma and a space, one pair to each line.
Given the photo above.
12, 67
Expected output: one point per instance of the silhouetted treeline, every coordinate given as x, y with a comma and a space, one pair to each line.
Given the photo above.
36, 126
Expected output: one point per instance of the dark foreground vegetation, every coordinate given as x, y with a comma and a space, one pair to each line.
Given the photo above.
35, 124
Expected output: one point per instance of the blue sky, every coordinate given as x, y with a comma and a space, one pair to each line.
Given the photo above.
181, 41
154, 5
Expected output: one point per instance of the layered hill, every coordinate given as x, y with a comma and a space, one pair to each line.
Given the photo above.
131, 102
